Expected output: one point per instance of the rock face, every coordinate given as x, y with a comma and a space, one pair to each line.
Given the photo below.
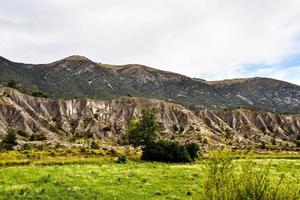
108, 120
77, 76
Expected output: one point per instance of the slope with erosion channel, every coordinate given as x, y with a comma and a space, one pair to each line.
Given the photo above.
60, 120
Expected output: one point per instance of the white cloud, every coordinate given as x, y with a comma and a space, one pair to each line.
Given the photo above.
194, 37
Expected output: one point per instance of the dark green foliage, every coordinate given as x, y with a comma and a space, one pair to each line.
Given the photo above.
22, 133
121, 159
142, 132
25, 147
39, 94
94, 145
298, 140
273, 141
193, 150
107, 128
38, 137
10, 140
181, 129
165, 151
175, 128
263, 145
54, 128
12, 84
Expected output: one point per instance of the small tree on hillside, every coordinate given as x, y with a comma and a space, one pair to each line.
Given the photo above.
12, 84
10, 140
143, 132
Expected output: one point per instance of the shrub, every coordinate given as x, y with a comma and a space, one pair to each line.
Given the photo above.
12, 84
25, 147
175, 128
193, 150
298, 141
226, 180
38, 137
39, 94
165, 151
121, 159
94, 145
10, 140
22, 133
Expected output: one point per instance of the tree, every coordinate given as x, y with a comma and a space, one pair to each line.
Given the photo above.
12, 84
10, 140
141, 133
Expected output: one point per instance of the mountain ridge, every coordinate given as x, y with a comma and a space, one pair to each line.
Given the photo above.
77, 76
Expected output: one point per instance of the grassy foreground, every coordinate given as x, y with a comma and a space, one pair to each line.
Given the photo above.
89, 178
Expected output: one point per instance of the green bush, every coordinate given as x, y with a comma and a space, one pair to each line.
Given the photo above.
25, 147
39, 94
165, 151
10, 140
121, 159
94, 145
193, 150
37, 137
22, 133
12, 84
227, 181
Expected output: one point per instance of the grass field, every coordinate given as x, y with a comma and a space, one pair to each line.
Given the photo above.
95, 178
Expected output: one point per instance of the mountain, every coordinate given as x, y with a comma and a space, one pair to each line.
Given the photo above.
63, 120
79, 77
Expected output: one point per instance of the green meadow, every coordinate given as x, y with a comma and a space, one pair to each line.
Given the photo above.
100, 177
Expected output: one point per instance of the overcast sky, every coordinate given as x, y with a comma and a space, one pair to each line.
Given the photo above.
209, 39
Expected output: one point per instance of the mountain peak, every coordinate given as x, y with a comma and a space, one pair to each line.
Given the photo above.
76, 58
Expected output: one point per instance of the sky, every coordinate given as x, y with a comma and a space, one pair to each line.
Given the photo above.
208, 39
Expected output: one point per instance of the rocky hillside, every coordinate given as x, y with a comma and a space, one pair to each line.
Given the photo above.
108, 120
77, 76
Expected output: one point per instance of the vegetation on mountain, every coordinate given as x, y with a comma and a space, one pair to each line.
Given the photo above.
9, 140
12, 84
39, 94
79, 77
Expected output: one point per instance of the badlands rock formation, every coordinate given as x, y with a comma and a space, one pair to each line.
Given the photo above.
108, 120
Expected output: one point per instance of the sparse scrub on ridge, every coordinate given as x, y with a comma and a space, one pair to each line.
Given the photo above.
227, 180
39, 94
